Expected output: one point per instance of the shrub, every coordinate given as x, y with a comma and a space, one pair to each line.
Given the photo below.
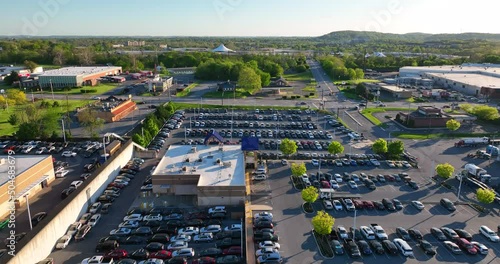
284, 97
306, 96
311, 94
88, 90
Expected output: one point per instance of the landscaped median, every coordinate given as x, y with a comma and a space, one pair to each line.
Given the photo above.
368, 113
324, 246
187, 90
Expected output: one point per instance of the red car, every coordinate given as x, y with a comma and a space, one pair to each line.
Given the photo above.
467, 246
325, 184
234, 250
368, 205
162, 254
389, 178
358, 204
117, 254
117, 185
203, 260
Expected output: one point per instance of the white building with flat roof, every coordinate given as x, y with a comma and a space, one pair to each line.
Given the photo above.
214, 174
76, 76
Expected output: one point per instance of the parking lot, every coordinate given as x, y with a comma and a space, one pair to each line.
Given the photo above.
286, 203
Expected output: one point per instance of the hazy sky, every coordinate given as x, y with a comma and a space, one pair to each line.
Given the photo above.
244, 17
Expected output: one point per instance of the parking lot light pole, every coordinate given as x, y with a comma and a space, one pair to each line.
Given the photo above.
354, 224
63, 132
459, 188
28, 207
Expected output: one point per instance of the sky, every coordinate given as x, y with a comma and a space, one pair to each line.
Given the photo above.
244, 17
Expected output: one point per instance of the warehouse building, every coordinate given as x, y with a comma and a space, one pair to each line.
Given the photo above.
480, 80
214, 175
111, 109
32, 174
76, 76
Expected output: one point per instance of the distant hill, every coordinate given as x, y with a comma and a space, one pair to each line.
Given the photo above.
367, 36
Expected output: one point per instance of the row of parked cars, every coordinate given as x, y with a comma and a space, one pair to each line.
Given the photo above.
168, 234
67, 149
266, 239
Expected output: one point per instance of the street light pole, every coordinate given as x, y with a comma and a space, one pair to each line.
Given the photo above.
64, 132
28, 207
460, 187
354, 224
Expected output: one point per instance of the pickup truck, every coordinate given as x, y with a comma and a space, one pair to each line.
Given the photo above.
379, 232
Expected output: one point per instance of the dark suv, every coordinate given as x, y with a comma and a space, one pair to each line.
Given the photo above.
352, 248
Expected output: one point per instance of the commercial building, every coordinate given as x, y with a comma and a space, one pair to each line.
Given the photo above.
480, 80
136, 43
213, 175
32, 173
111, 109
424, 117
76, 76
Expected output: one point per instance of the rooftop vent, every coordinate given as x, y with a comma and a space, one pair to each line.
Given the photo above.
193, 150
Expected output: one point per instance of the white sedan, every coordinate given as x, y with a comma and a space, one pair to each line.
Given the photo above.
190, 230
121, 182
264, 251
63, 242
353, 185
337, 205
315, 162
129, 224
269, 244
157, 217
133, 217
177, 245
61, 174
182, 238
120, 231
418, 204
68, 154
334, 184
338, 177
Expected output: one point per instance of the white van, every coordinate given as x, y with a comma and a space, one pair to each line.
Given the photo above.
403, 246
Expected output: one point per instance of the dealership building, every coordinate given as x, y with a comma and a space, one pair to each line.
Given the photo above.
32, 174
212, 174
76, 76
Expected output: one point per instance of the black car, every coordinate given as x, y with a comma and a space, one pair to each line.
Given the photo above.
364, 247
388, 204
463, 234
152, 223
180, 223
263, 224
171, 230
210, 252
265, 237
397, 204
107, 245
118, 239
140, 254
370, 185
161, 238
105, 208
377, 247
133, 210
236, 234
390, 247
446, 203
379, 205
154, 247
413, 185
142, 231
403, 233
337, 247
37, 218
177, 260
66, 192
193, 222
415, 234
427, 247
218, 216
438, 234
352, 248
134, 240
355, 233
229, 259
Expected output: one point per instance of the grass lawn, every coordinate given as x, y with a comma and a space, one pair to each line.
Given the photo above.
178, 105
354, 82
301, 76
309, 89
404, 135
8, 129
368, 113
101, 88
349, 93
187, 90
240, 93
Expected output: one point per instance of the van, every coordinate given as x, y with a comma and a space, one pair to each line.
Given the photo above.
107, 246
403, 246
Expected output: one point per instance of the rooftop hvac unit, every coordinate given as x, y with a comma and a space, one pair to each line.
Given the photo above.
227, 164
184, 168
193, 150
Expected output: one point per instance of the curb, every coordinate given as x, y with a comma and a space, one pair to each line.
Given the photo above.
357, 122
293, 184
315, 240
314, 211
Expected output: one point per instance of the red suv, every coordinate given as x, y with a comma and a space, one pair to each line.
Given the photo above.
467, 246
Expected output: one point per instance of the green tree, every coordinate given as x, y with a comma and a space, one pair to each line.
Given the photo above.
335, 147
288, 147
30, 65
395, 148
323, 223
17, 96
27, 131
13, 119
137, 138
485, 196
380, 146
298, 169
484, 112
249, 80
452, 124
90, 122
359, 73
445, 170
310, 194
13, 77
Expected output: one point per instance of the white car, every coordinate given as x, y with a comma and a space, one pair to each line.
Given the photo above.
218, 209
63, 242
94, 220
315, 162
338, 205
95, 207
264, 251
204, 237
264, 215
61, 173
334, 184
342, 232
349, 205
338, 163
337, 177
406, 164
328, 204
480, 247
68, 154
260, 177
157, 217
148, 187
27, 149
123, 178
122, 231
355, 177
177, 245
353, 185
73, 228
133, 217
129, 224
489, 234
184, 252
181, 238
40, 151
76, 184
391, 164
211, 229
375, 162
190, 230
233, 227
418, 204
121, 182
269, 244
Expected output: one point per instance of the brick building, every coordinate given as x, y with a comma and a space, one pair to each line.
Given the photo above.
111, 109
424, 117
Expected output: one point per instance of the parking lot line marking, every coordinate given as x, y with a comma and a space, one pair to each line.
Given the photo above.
464, 207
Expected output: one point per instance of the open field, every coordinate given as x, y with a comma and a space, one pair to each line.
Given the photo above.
101, 89
302, 76
240, 93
